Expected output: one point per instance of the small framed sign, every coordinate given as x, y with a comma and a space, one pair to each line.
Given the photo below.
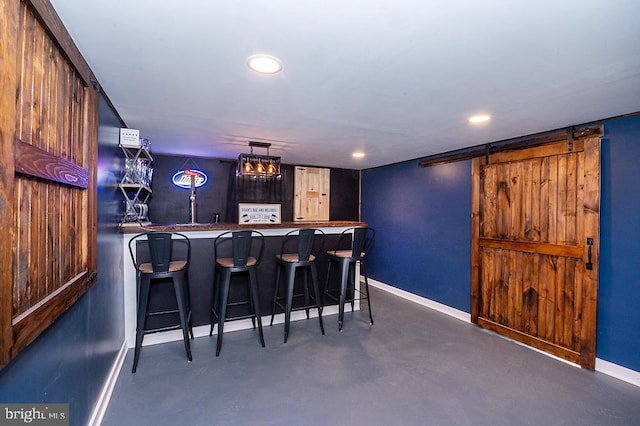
258, 213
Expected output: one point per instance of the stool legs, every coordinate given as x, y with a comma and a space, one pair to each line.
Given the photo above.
275, 294
347, 284
255, 299
181, 289
214, 302
325, 291
316, 295
183, 312
290, 276
223, 293
305, 280
344, 277
221, 300
366, 286
143, 302
351, 284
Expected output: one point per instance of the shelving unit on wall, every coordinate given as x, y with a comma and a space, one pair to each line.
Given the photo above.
135, 184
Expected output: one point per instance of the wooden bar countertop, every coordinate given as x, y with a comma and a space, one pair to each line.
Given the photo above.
183, 227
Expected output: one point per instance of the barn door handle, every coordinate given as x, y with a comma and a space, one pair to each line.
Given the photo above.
589, 265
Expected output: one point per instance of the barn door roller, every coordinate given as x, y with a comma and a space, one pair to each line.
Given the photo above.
570, 131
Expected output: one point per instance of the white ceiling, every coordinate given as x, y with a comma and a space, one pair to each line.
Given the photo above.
397, 79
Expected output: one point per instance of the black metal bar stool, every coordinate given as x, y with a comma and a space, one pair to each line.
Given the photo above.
242, 261
307, 244
162, 246
346, 260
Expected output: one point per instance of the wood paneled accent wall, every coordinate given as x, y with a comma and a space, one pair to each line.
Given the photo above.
48, 140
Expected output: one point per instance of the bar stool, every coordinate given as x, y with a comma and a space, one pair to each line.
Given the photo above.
162, 266
309, 243
346, 260
243, 245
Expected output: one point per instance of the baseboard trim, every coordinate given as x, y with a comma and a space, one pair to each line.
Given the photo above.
105, 396
436, 306
602, 366
619, 372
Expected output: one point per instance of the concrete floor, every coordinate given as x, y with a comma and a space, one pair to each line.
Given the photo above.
415, 366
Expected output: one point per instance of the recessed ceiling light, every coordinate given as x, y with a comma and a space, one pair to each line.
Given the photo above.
480, 118
264, 64
358, 154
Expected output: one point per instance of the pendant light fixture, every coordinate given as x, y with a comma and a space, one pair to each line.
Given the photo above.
258, 165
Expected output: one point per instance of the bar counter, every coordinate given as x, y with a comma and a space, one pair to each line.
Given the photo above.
184, 227
202, 236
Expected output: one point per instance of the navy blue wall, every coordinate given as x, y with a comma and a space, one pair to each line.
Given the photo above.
618, 338
70, 361
422, 220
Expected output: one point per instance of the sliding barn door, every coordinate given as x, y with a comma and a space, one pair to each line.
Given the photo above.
535, 246
48, 150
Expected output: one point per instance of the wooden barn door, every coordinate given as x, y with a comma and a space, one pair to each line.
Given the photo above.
48, 179
535, 246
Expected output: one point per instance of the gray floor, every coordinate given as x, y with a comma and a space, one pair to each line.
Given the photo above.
413, 367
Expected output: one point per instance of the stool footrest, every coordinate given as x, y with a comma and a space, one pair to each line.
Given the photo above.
336, 296
238, 303
315, 304
298, 308
295, 296
331, 296
159, 329
156, 313
240, 317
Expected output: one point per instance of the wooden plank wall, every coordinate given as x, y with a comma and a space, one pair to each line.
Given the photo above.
53, 225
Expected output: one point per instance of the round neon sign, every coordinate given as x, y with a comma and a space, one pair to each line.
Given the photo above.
182, 178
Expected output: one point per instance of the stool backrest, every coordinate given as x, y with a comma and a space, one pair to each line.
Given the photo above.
308, 241
362, 241
305, 243
159, 250
242, 246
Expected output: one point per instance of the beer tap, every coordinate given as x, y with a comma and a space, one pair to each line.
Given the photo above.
192, 198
